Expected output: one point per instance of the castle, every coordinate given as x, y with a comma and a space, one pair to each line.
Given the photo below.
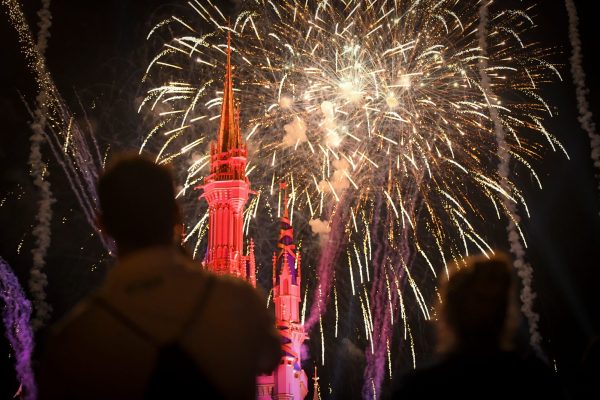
226, 190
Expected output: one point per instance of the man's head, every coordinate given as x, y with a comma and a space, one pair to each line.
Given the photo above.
137, 203
478, 307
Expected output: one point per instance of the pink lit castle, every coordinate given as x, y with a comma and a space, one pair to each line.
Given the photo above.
226, 190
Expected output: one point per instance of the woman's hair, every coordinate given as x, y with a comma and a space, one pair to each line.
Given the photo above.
478, 308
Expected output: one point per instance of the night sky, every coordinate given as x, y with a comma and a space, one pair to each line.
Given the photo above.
96, 55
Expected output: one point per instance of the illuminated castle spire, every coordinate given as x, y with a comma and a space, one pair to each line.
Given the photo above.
226, 190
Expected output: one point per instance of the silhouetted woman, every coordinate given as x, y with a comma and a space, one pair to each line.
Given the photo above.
477, 320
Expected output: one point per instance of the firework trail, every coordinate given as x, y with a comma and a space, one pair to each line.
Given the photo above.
375, 353
381, 335
15, 316
391, 261
44, 24
586, 118
79, 156
74, 148
326, 268
39, 172
524, 269
38, 280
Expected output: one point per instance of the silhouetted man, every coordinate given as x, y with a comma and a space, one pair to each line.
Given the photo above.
158, 327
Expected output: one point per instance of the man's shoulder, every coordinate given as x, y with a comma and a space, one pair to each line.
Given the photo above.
80, 312
233, 283
237, 289
193, 272
75, 334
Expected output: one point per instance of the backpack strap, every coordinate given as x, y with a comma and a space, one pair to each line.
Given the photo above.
202, 300
124, 319
142, 333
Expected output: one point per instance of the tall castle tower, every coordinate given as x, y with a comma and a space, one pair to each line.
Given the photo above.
226, 191
289, 380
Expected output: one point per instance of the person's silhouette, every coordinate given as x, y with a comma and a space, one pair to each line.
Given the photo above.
158, 327
477, 320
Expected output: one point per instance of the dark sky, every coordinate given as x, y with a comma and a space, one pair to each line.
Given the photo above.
96, 54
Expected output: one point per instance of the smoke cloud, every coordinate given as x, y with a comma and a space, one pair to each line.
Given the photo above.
286, 102
321, 228
339, 180
352, 351
295, 132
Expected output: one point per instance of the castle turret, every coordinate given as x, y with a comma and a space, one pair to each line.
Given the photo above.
226, 190
290, 380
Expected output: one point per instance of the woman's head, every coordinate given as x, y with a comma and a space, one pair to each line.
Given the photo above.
478, 308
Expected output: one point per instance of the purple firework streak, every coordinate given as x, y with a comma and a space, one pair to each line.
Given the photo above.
326, 268
16, 314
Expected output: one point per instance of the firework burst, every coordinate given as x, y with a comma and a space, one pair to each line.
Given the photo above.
378, 115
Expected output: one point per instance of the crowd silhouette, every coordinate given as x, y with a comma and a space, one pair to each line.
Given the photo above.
161, 327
